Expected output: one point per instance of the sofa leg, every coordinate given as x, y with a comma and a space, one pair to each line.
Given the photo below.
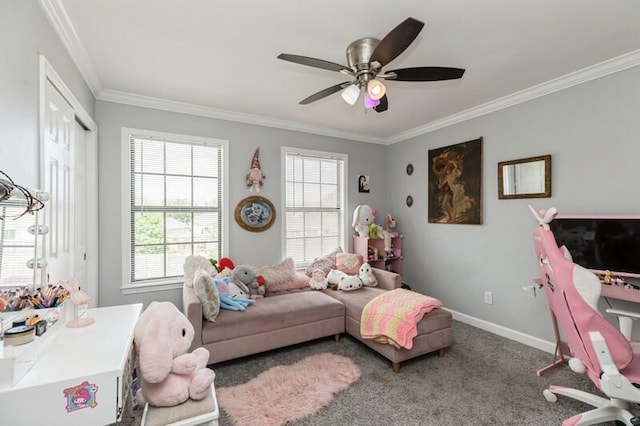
441, 352
337, 338
395, 366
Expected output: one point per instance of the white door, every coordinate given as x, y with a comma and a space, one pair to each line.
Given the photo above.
58, 168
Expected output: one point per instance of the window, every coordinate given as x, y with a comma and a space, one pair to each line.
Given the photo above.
17, 245
314, 203
174, 205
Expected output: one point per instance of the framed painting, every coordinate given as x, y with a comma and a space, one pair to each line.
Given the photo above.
455, 183
255, 214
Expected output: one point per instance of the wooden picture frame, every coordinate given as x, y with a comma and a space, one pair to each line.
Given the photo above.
525, 178
455, 183
255, 214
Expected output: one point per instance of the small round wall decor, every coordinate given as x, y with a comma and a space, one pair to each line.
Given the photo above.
409, 201
255, 214
409, 169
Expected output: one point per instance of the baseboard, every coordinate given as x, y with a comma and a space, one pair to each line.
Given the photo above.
526, 339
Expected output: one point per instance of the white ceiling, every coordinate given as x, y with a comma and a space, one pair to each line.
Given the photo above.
219, 57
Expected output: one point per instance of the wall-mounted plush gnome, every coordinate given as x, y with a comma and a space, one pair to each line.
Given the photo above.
255, 177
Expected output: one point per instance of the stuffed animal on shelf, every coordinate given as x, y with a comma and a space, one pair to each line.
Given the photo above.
338, 280
246, 276
229, 302
363, 216
391, 223
367, 276
168, 374
318, 280
255, 177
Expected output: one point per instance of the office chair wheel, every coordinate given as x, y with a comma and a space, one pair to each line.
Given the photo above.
549, 396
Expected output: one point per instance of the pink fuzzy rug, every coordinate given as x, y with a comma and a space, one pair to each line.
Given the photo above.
288, 392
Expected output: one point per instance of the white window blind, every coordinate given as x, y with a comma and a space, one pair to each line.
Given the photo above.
175, 205
314, 204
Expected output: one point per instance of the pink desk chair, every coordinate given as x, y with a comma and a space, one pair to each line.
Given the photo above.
597, 348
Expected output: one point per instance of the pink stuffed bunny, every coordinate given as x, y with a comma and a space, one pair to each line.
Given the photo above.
168, 374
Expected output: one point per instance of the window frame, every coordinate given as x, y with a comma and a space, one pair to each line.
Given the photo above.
343, 184
127, 287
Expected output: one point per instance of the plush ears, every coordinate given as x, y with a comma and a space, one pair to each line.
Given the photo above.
207, 294
544, 217
161, 333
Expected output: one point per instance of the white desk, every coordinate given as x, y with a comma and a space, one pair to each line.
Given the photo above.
92, 363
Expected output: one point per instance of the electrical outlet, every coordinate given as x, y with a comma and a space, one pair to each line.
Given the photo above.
488, 298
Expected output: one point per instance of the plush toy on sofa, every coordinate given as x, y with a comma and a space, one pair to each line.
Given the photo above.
318, 280
338, 280
249, 278
227, 301
366, 276
168, 374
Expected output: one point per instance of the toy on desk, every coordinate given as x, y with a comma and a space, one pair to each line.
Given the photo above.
168, 374
78, 298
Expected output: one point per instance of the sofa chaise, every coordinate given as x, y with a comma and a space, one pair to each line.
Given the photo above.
293, 316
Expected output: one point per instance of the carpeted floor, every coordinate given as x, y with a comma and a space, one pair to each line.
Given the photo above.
483, 379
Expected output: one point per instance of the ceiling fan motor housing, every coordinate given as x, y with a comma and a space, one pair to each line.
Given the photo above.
358, 55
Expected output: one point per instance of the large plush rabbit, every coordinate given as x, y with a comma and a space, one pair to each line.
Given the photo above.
168, 374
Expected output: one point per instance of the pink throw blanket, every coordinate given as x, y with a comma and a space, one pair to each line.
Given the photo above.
393, 317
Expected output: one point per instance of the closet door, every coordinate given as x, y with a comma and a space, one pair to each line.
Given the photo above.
58, 168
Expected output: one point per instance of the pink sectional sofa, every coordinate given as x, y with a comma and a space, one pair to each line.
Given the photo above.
295, 316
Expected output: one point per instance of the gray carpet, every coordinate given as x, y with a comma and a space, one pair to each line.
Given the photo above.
483, 379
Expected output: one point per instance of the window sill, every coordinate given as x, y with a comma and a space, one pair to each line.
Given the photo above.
148, 288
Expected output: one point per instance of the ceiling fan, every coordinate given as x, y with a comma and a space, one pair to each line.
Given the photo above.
365, 59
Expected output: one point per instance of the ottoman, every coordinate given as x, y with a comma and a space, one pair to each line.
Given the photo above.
434, 330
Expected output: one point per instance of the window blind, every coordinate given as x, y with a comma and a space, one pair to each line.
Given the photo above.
175, 202
314, 216
17, 246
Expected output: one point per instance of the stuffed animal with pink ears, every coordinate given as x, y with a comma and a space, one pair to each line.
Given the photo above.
168, 374
318, 280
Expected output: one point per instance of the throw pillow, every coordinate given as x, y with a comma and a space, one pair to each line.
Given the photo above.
324, 263
279, 273
207, 293
348, 263
299, 281
192, 264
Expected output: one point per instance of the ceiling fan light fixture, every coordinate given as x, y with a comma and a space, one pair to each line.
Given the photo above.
351, 94
376, 89
369, 102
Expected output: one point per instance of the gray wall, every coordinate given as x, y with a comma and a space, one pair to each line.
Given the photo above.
25, 33
592, 132
245, 247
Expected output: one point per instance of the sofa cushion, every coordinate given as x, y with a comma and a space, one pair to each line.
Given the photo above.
324, 263
349, 263
272, 313
355, 301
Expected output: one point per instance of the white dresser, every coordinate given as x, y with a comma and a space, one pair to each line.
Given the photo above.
81, 376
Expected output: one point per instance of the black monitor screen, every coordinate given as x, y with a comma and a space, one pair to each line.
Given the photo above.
601, 244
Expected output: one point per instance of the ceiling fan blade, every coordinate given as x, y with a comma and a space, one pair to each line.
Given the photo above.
396, 42
324, 93
383, 105
314, 62
424, 74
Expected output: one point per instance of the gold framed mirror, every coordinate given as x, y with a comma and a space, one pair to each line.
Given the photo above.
525, 178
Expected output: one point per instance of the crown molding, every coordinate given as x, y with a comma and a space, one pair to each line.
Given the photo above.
59, 19
204, 111
611, 66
